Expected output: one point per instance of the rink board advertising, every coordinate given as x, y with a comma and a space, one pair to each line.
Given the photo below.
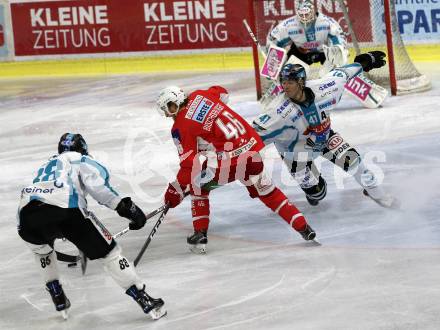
106, 26
3, 44
74, 27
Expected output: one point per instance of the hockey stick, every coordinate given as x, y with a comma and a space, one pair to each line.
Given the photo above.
153, 231
148, 216
67, 257
254, 38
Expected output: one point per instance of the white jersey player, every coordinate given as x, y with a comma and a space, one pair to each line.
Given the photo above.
297, 121
55, 206
308, 34
312, 37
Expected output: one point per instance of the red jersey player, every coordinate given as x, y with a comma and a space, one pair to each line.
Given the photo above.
217, 146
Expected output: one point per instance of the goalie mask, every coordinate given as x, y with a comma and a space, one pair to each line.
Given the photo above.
170, 94
306, 12
294, 72
72, 142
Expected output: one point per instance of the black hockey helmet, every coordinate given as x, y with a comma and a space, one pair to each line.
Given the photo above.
72, 142
293, 72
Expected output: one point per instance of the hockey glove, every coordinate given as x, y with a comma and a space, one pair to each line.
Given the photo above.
314, 57
173, 196
127, 209
371, 60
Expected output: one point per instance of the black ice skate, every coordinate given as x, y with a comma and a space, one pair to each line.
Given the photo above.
197, 242
387, 200
308, 233
58, 297
149, 305
312, 201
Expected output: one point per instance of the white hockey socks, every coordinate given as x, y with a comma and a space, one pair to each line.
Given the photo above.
121, 270
368, 181
47, 263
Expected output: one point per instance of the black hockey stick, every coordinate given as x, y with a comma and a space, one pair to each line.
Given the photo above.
153, 231
67, 257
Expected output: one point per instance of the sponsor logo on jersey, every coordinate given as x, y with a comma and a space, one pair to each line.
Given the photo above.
322, 28
193, 106
202, 110
327, 85
311, 44
358, 87
296, 32
212, 116
36, 190
237, 152
327, 104
283, 107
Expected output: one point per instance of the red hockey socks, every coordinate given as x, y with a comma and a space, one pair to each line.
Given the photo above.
279, 203
200, 212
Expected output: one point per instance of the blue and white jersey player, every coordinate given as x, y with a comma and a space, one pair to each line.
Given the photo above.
297, 121
310, 36
55, 206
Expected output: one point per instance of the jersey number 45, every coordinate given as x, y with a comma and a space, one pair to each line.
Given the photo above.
233, 128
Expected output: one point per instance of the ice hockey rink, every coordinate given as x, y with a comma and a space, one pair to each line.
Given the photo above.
375, 268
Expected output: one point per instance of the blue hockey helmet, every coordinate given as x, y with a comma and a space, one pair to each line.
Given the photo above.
72, 142
293, 72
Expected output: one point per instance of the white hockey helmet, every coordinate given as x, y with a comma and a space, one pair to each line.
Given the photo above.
169, 94
306, 12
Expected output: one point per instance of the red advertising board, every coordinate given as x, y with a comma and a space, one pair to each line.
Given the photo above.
96, 26
106, 26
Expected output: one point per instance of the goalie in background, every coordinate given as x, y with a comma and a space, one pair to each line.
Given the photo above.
311, 37
55, 206
217, 146
297, 121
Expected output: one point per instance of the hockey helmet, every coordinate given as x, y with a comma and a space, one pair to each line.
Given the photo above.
72, 142
169, 94
306, 12
293, 72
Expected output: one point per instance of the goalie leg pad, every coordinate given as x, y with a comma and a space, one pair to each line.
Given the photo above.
200, 212
120, 269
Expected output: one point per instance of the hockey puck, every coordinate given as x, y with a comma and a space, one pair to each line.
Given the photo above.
72, 264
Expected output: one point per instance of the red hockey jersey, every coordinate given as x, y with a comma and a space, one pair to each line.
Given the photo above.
207, 126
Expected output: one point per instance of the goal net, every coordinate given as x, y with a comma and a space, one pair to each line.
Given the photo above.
364, 23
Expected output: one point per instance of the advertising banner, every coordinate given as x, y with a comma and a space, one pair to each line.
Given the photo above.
96, 26
3, 44
419, 20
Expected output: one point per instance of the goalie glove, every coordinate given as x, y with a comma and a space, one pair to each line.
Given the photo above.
313, 57
127, 209
371, 60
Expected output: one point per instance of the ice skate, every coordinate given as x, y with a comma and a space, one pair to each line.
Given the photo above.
59, 299
387, 200
313, 202
308, 233
197, 242
149, 305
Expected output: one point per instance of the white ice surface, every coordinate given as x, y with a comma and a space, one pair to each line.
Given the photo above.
376, 268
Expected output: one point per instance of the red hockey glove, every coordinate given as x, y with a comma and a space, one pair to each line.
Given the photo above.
173, 196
